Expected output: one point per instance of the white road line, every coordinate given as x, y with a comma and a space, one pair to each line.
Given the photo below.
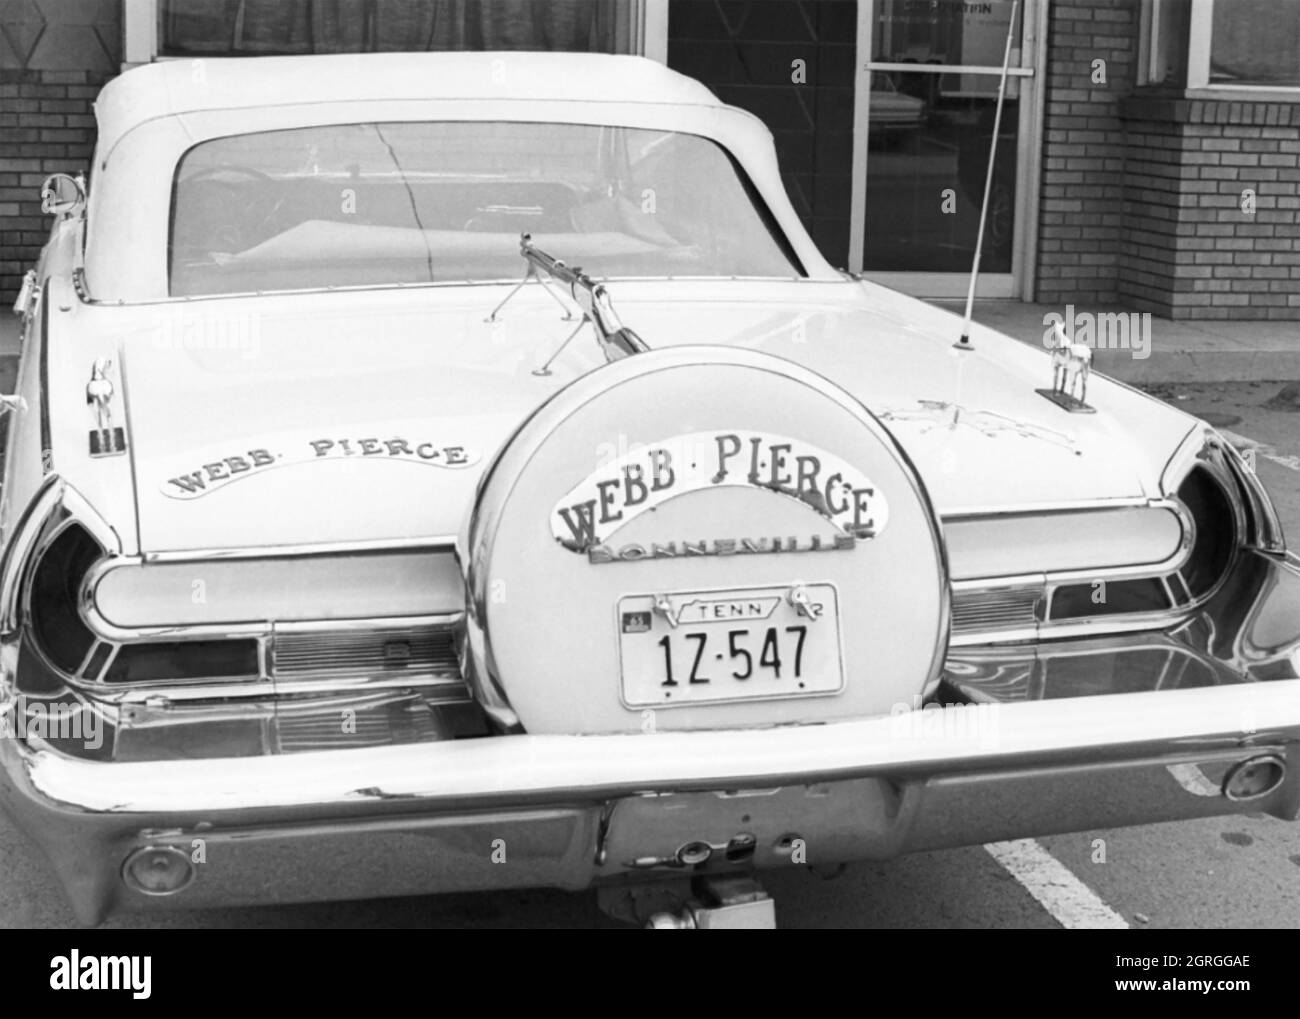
1072, 904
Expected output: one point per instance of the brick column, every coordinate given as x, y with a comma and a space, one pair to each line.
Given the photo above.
1083, 149
1190, 247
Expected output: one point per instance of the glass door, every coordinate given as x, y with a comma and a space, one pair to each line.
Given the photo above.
925, 103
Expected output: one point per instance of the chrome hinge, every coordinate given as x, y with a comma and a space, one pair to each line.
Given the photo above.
29, 296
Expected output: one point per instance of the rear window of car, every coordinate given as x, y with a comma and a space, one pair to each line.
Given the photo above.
388, 203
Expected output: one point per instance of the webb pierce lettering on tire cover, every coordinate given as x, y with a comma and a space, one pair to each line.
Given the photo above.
644, 479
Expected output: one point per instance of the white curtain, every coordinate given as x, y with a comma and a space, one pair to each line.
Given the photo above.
262, 27
1256, 42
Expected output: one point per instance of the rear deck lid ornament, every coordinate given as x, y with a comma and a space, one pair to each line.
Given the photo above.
1071, 366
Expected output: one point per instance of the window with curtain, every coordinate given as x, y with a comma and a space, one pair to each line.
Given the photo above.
1249, 42
267, 27
1255, 42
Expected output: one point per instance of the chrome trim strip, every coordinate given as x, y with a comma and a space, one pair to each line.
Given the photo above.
113, 649
95, 645
105, 630
1189, 451
454, 690
441, 621
1088, 626
163, 694
440, 543
254, 688
440, 285
43, 370
1268, 525
1019, 580
1048, 508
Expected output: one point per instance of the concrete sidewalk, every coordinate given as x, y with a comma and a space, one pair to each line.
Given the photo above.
1201, 351
1178, 352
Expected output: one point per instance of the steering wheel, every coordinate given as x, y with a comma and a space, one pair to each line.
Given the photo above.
246, 220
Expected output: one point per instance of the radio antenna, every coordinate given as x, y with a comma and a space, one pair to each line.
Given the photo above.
964, 343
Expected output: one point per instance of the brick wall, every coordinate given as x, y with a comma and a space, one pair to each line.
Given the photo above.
55, 55
1189, 249
745, 53
1080, 214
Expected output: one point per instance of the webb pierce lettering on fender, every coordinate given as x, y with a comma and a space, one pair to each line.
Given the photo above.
212, 475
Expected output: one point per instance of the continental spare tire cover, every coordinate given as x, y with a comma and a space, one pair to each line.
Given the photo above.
700, 537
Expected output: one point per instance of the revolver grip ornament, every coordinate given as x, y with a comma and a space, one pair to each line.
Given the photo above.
106, 439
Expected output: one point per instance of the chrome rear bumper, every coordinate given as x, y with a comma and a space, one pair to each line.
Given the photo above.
570, 811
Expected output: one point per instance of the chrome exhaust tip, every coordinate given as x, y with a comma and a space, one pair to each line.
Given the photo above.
158, 870
1254, 777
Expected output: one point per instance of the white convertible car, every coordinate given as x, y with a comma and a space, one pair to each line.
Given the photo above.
461, 471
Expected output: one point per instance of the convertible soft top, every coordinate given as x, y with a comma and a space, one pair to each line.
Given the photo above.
152, 115
191, 86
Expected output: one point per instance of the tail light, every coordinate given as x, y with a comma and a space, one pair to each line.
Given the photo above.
63, 640
61, 634
1216, 531
184, 660
1077, 601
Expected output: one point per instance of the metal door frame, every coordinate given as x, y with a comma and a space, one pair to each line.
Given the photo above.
1019, 282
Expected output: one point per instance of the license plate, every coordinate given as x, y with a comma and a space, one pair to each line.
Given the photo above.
731, 645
